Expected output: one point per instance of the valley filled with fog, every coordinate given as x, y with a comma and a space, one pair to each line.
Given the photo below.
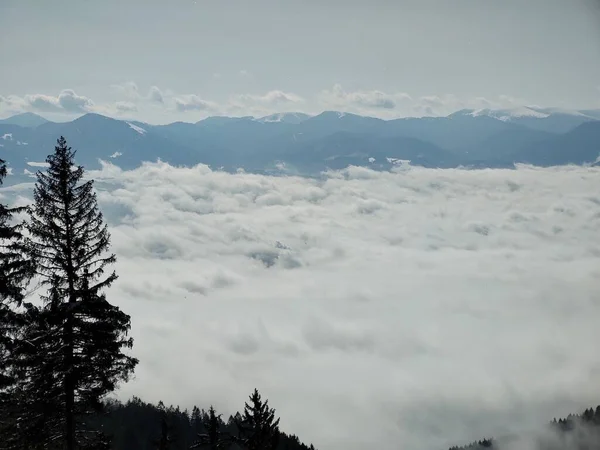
422, 306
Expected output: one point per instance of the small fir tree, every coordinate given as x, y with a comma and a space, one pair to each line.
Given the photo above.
213, 438
258, 428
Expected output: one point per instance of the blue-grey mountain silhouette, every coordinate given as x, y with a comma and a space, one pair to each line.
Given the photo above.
302, 144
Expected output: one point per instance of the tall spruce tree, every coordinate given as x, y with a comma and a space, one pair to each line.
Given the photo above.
15, 272
79, 337
166, 438
36, 392
15, 269
213, 438
258, 429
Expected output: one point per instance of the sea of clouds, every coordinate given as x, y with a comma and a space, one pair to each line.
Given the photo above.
416, 309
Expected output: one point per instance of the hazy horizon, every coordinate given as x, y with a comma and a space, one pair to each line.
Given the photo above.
517, 110
385, 59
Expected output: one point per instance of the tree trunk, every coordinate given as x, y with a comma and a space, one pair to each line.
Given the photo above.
69, 387
69, 338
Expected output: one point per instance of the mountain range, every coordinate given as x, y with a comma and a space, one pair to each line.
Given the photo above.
297, 143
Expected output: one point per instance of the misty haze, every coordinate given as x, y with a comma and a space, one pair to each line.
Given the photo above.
295, 226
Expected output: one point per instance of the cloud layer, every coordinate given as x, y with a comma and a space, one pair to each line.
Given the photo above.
337, 97
192, 102
167, 106
67, 101
416, 309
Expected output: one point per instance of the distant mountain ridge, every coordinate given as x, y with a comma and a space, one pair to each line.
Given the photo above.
302, 144
27, 120
544, 119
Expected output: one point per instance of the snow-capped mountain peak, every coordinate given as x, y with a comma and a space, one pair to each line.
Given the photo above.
136, 128
286, 117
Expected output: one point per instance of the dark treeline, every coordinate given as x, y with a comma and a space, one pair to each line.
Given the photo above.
140, 425
575, 432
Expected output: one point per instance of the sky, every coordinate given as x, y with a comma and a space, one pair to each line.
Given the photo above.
416, 309
162, 61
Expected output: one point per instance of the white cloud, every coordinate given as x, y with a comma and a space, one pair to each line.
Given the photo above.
442, 105
128, 89
167, 101
42, 102
67, 101
193, 102
72, 102
163, 106
125, 107
244, 73
271, 98
259, 105
131, 91
391, 105
155, 95
423, 307
337, 97
12, 103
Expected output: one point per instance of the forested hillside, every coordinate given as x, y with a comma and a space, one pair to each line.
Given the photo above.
139, 425
575, 432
